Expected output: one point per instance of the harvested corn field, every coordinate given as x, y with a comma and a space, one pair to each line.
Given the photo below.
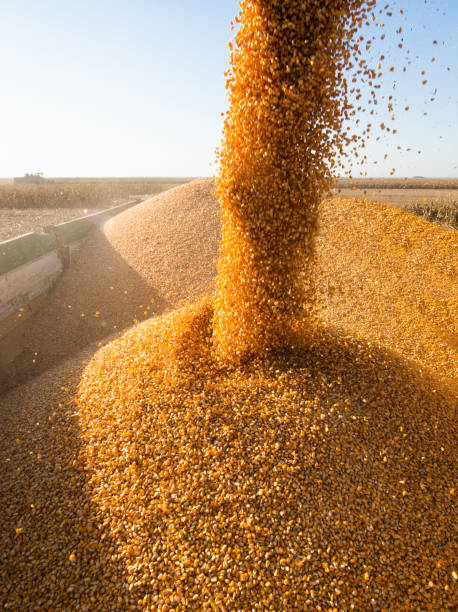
80, 193
357, 419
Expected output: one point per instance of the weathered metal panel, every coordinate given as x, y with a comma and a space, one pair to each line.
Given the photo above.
24, 283
22, 249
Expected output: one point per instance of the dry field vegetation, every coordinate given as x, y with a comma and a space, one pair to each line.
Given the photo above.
28, 208
80, 193
450, 184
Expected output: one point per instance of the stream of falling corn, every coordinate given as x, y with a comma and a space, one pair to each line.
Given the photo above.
288, 99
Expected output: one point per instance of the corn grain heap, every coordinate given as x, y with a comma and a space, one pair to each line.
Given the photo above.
319, 476
56, 549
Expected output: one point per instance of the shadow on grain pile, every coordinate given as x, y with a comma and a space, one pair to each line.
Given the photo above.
141, 263
54, 552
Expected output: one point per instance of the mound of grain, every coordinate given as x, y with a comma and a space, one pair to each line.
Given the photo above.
380, 274
385, 282
321, 476
145, 261
171, 242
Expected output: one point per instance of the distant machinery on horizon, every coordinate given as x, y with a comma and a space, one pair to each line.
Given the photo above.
32, 179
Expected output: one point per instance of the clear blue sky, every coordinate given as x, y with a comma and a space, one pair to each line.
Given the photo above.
136, 88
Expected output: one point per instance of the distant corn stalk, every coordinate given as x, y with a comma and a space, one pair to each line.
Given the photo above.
443, 211
73, 195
